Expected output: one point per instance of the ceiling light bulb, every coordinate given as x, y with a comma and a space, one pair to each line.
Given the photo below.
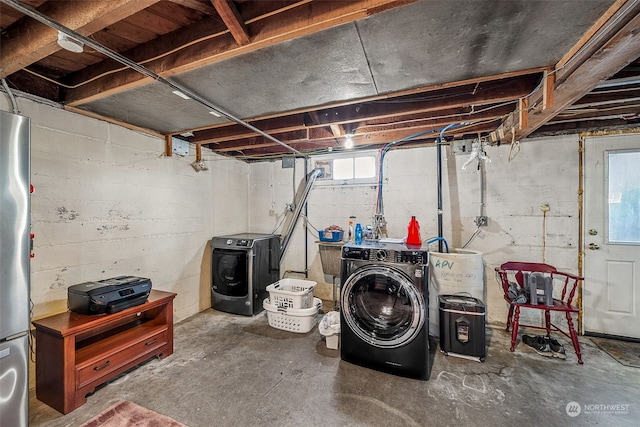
69, 43
348, 141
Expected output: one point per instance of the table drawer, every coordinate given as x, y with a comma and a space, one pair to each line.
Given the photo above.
103, 366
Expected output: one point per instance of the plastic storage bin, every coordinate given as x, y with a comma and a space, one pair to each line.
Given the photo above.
330, 235
292, 293
292, 319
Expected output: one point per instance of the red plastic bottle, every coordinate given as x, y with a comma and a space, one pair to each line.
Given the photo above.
413, 236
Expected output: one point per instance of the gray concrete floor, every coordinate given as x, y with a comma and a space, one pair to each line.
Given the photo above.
230, 370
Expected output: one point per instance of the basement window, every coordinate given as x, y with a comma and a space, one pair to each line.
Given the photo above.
353, 169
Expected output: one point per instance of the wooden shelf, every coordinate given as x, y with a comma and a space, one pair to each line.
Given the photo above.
75, 353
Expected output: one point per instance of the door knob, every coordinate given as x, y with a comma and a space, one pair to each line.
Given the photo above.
593, 246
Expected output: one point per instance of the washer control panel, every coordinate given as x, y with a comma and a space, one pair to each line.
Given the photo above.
412, 257
239, 242
356, 252
395, 254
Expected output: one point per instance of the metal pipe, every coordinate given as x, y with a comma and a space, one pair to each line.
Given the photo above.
29, 11
306, 229
311, 178
439, 142
483, 186
439, 184
633, 80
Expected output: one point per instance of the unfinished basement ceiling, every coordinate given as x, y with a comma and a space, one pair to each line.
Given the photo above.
308, 72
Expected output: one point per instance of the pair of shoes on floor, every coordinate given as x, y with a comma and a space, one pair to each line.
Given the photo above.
545, 346
556, 348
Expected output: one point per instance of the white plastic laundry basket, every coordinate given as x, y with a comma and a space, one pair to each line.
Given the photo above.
292, 293
292, 319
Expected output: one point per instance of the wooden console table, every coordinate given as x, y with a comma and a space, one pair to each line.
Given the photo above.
75, 353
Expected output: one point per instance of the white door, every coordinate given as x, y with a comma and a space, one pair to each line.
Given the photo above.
611, 297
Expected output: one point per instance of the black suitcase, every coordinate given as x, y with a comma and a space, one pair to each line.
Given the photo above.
462, 327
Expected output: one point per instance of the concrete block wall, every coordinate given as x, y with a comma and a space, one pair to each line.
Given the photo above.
518, 182
108, 202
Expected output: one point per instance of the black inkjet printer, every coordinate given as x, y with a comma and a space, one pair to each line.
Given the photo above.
108, 295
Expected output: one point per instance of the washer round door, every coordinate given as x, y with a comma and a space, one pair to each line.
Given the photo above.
229, 274
382, 306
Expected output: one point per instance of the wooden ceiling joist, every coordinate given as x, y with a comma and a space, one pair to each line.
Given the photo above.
366, 135
439, 103
270, 30
232, 20
84, 17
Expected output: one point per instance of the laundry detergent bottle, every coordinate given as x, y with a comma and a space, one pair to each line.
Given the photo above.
413, 233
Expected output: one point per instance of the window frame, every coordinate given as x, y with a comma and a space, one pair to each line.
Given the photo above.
352, 156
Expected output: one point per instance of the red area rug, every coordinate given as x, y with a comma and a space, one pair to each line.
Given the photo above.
128, 414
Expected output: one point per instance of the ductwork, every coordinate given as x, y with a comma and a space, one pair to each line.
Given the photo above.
311, 179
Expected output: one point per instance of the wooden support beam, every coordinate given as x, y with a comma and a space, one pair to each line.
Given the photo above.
523, 109
198, 152
168, 145
118, 122
337, 130
232, 19
548, 88
32, 41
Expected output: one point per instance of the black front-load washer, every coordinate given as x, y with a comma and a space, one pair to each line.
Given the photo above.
384, 318
242, 266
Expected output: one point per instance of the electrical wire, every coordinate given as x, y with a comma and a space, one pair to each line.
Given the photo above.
14, 104
306, 219
280, 221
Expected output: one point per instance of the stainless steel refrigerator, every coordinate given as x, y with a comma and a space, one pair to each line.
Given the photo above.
14, 268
